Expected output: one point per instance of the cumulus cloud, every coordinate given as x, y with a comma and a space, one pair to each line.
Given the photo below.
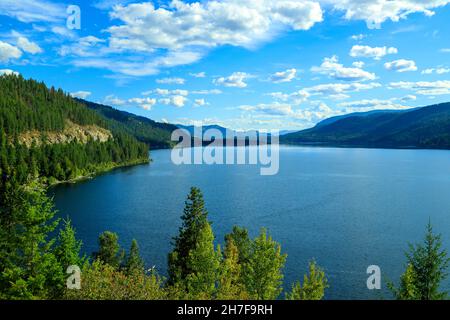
237, 80
171, 81
81, 94
211, 23
8, 52
377, 12
424, 87
333, 69
376, 53
28, 46
144, 103
283, 76
401, 65
176, 101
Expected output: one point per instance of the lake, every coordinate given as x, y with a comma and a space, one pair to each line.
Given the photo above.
346, 208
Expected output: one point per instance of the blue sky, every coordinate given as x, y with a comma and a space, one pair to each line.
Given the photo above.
258, 64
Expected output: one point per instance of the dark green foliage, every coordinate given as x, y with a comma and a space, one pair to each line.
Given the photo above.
426, 270
427, 127
29, 267
194, 218
26, 105
109, 249
134, 261
155, 134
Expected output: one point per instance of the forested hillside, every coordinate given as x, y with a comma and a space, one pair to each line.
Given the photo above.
155, 134
29, 109
427, 127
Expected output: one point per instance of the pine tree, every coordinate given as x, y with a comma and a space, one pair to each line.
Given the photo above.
194, 220
30, 269
109, 250
263, 271
68, 249
427, 268
134, 262
314, 285
203, 262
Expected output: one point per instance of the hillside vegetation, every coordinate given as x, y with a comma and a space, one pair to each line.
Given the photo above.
155, 134
45, 134
427, 127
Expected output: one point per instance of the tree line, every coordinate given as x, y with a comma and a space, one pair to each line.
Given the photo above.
33, 261
28, 105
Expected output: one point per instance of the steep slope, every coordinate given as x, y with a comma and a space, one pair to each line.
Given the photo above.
427, 127
47, 135
155, 134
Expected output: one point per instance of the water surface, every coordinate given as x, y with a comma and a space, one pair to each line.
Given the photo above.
346, 208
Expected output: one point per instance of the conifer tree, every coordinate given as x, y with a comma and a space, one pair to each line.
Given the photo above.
134, 262
314, 285
426, 270
109, 250
194, 220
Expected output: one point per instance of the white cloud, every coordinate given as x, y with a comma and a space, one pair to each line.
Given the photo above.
144, 103
372, 104
377, 12
176, 101
401, 65
180, 33
440, 70
198, 75
358, 37
113, 100
33, 10
207, 92
28, 46
424, 87
409, 97
171, 81
283, 76
8, 72
212, 23
237, 79
200, 102
376, 53
81, 94
358, 64
445, 50
8, 52
337, 89
332, 68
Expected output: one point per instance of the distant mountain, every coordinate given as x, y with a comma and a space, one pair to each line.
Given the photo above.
222, 130
426, 127
155, 134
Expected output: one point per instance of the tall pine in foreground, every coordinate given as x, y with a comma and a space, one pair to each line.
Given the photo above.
426, 270
194, 220
29, 268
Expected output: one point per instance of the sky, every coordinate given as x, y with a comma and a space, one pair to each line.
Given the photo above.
255, 64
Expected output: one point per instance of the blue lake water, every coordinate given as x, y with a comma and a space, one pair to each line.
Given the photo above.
346, 208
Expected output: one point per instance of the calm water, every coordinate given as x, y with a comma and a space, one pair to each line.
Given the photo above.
347, 208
